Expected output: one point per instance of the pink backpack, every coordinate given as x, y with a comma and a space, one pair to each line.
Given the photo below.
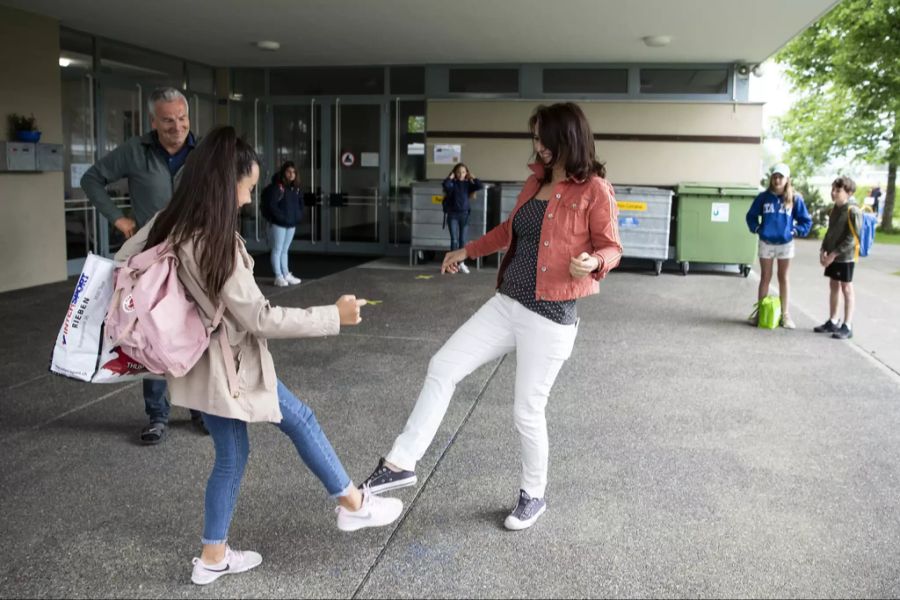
154, 320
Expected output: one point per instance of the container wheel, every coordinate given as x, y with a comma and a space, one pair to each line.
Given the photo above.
745, 270
658, 267
685, 267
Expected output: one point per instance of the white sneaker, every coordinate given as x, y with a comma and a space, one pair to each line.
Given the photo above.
291, 279
235, 561
375, 511
787, 322
281, 282
464, 268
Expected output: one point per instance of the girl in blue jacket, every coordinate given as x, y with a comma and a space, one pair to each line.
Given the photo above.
777, 215
459, 186
282, 206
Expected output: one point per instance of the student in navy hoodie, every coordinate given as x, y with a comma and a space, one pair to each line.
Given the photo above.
777, 215
282, 206
459, 186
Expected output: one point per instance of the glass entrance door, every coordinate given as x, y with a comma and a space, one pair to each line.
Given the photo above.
339, 148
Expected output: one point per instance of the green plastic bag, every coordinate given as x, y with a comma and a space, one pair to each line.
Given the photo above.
769, 312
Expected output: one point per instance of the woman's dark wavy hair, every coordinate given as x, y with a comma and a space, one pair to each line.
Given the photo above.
564, 130
289, 164
204, 208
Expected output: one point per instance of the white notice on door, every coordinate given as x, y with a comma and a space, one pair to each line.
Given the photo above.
76, 171
368, 159
720, 212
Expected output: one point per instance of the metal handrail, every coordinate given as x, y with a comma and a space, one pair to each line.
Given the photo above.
140, 110
256, 148
312, 168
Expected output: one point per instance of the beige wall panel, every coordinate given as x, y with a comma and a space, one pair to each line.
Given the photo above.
32, 222
669, 118
633, 163
637, 163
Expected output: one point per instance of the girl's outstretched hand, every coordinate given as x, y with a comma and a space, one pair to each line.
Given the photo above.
348, 309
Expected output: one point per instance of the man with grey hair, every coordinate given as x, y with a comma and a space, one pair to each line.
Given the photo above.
152, 164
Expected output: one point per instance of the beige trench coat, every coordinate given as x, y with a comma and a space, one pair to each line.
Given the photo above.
248, 320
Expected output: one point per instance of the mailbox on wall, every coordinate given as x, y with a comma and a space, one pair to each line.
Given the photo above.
49, 157
24, 156
17, 156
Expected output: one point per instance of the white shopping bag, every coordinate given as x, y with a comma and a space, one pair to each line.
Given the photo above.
82, 351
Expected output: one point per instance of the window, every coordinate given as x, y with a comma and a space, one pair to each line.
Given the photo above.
684, 81
148, 66
201, 79
407, 80
314, 81
585, 81
484, 81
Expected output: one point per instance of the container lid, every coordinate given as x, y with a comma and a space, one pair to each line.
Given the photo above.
716, 189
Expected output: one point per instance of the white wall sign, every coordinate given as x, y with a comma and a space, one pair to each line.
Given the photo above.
368, 159
720, 212
447, 154
77, 171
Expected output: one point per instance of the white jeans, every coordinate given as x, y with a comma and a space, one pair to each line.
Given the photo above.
499, 327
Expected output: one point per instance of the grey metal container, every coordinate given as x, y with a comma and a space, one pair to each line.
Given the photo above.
644, 222
509, 192
428, 231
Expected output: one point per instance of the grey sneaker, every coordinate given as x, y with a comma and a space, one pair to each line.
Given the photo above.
828, 326
383, 479
526, 512
844, 333
787, 322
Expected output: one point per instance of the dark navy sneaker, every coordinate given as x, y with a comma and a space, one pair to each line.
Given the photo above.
383, 479
844, 333
526, 512
827, 327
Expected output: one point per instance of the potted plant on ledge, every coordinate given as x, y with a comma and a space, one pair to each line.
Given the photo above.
24, 128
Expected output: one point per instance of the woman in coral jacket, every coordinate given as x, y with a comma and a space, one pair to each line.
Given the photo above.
562, 239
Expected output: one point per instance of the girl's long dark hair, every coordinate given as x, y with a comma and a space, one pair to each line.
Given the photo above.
204, 208
289, 165
564, 130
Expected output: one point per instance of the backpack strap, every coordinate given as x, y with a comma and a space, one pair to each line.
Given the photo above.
853, 231
217, 323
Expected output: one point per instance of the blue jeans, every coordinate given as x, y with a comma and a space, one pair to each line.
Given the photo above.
280, 240
233, 447
457, 222
156, 405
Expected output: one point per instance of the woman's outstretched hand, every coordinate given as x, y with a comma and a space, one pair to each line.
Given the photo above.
452, 260
348, 309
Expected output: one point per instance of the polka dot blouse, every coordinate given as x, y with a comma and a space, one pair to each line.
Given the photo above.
520, 278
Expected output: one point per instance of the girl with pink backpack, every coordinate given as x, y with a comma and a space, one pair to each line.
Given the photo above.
200, 225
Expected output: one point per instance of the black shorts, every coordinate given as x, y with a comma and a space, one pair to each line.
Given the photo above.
840, 271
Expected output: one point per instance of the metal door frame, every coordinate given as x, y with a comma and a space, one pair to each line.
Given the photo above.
327, 163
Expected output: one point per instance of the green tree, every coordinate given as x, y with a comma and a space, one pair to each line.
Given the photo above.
846, 71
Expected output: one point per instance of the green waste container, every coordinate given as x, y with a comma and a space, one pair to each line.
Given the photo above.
712, 226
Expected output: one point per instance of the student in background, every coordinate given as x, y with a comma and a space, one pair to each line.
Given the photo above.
778, 215
459, 186
282, 206
838, 254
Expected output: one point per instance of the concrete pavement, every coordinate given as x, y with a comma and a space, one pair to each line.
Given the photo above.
691, 455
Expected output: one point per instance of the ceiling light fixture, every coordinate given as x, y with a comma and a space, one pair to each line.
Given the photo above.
268, 45
657, 41
64, 62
